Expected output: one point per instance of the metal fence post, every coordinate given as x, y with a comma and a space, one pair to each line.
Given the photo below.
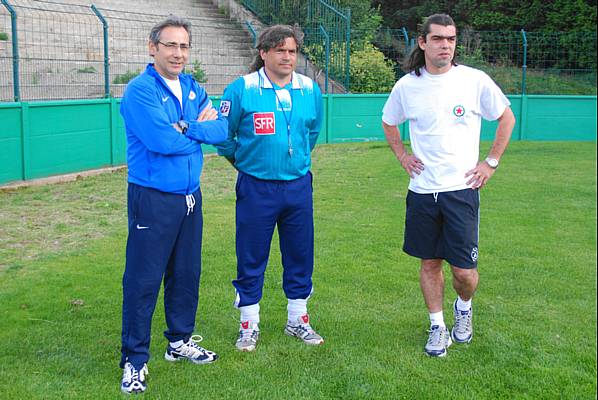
406, 37
106, 55
348, 45
327, 39
253, 32
15, 52
524, 66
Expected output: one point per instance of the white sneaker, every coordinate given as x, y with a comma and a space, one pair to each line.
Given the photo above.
438, 341
133, 380
191, 351
249, 333
303, 330
462, 331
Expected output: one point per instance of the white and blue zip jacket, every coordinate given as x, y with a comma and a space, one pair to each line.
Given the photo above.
158, 156
259, 114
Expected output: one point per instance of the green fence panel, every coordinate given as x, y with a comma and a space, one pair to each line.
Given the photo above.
560, 118
11, 143
67, 137
49, 138
356, 118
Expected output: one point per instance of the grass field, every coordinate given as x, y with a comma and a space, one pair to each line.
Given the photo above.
61, 263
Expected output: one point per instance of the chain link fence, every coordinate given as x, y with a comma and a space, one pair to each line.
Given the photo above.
520, 62
61, 49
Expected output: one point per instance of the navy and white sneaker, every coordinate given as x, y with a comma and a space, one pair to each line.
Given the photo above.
191, 351
303, 330
462, 331
133, 380
438, 341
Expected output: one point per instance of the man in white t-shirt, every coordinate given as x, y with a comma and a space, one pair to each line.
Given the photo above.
444, 104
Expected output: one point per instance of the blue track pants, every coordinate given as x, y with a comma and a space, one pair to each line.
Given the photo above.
262, 205
164, 244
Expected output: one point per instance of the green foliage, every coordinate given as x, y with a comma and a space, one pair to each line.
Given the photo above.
495, 15
198, 73
370, 71
126, 77
3, 36
535, 311
87, 70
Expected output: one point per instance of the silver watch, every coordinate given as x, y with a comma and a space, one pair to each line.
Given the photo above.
492, 162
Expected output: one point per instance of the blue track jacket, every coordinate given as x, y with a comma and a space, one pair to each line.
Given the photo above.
158, 156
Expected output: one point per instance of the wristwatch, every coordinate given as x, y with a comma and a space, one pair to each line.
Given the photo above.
183, 126
492, 162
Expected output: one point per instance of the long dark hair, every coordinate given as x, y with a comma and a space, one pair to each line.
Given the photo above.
416, 59
272, 37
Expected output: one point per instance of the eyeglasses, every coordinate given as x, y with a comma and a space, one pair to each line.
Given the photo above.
174, 46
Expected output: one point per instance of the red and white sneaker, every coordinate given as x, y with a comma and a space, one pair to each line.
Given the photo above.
302, 329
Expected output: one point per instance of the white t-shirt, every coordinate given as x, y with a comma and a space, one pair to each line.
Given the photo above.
445, 116
175, 88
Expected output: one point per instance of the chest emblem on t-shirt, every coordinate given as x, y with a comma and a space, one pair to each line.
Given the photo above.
192, 95
263, 123
459, 111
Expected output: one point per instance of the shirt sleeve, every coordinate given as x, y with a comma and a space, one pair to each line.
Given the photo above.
145, 117
209, 132
492, 100
230, 109
393, 112
314, 130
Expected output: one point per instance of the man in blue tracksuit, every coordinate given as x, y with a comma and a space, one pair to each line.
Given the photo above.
274, 117
167, 116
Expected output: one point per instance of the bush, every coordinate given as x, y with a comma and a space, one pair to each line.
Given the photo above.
370, 71
197, 72
3, 36
126, 77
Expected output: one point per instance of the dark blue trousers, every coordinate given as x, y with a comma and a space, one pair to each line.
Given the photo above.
262, 205
164, 244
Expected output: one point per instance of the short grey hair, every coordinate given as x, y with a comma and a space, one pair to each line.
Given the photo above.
171, 20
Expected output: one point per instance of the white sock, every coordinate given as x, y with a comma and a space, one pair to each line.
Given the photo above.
463, 305
296, 308
177, 344
250, 313
437, 318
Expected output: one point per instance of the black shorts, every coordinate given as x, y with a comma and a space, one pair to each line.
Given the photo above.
443, 225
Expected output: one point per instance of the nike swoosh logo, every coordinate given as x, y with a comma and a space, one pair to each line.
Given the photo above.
142, 227
164, 99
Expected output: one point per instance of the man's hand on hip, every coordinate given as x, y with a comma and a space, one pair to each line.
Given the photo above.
411, 164
480, 175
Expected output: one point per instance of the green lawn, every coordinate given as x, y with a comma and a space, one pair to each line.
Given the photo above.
61, 263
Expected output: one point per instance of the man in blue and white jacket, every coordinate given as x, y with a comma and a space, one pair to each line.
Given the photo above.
274, 117
167, 116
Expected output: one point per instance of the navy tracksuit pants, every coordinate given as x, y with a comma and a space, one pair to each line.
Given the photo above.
262, 205
164, 244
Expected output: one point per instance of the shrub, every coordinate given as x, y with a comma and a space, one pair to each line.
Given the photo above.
197, 72
87, 70
370, 71
126, 77
3, 36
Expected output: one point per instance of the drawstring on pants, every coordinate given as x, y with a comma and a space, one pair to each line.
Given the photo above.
435, 194
190, 203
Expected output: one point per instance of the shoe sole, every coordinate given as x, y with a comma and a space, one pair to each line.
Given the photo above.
312, 343
170, 358
246, 349
467, 341
443, 354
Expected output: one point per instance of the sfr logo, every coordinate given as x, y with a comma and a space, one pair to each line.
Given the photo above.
263, 123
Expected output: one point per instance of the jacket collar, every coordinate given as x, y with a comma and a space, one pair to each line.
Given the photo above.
266, 84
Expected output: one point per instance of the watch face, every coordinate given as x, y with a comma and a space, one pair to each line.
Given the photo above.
492, 162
